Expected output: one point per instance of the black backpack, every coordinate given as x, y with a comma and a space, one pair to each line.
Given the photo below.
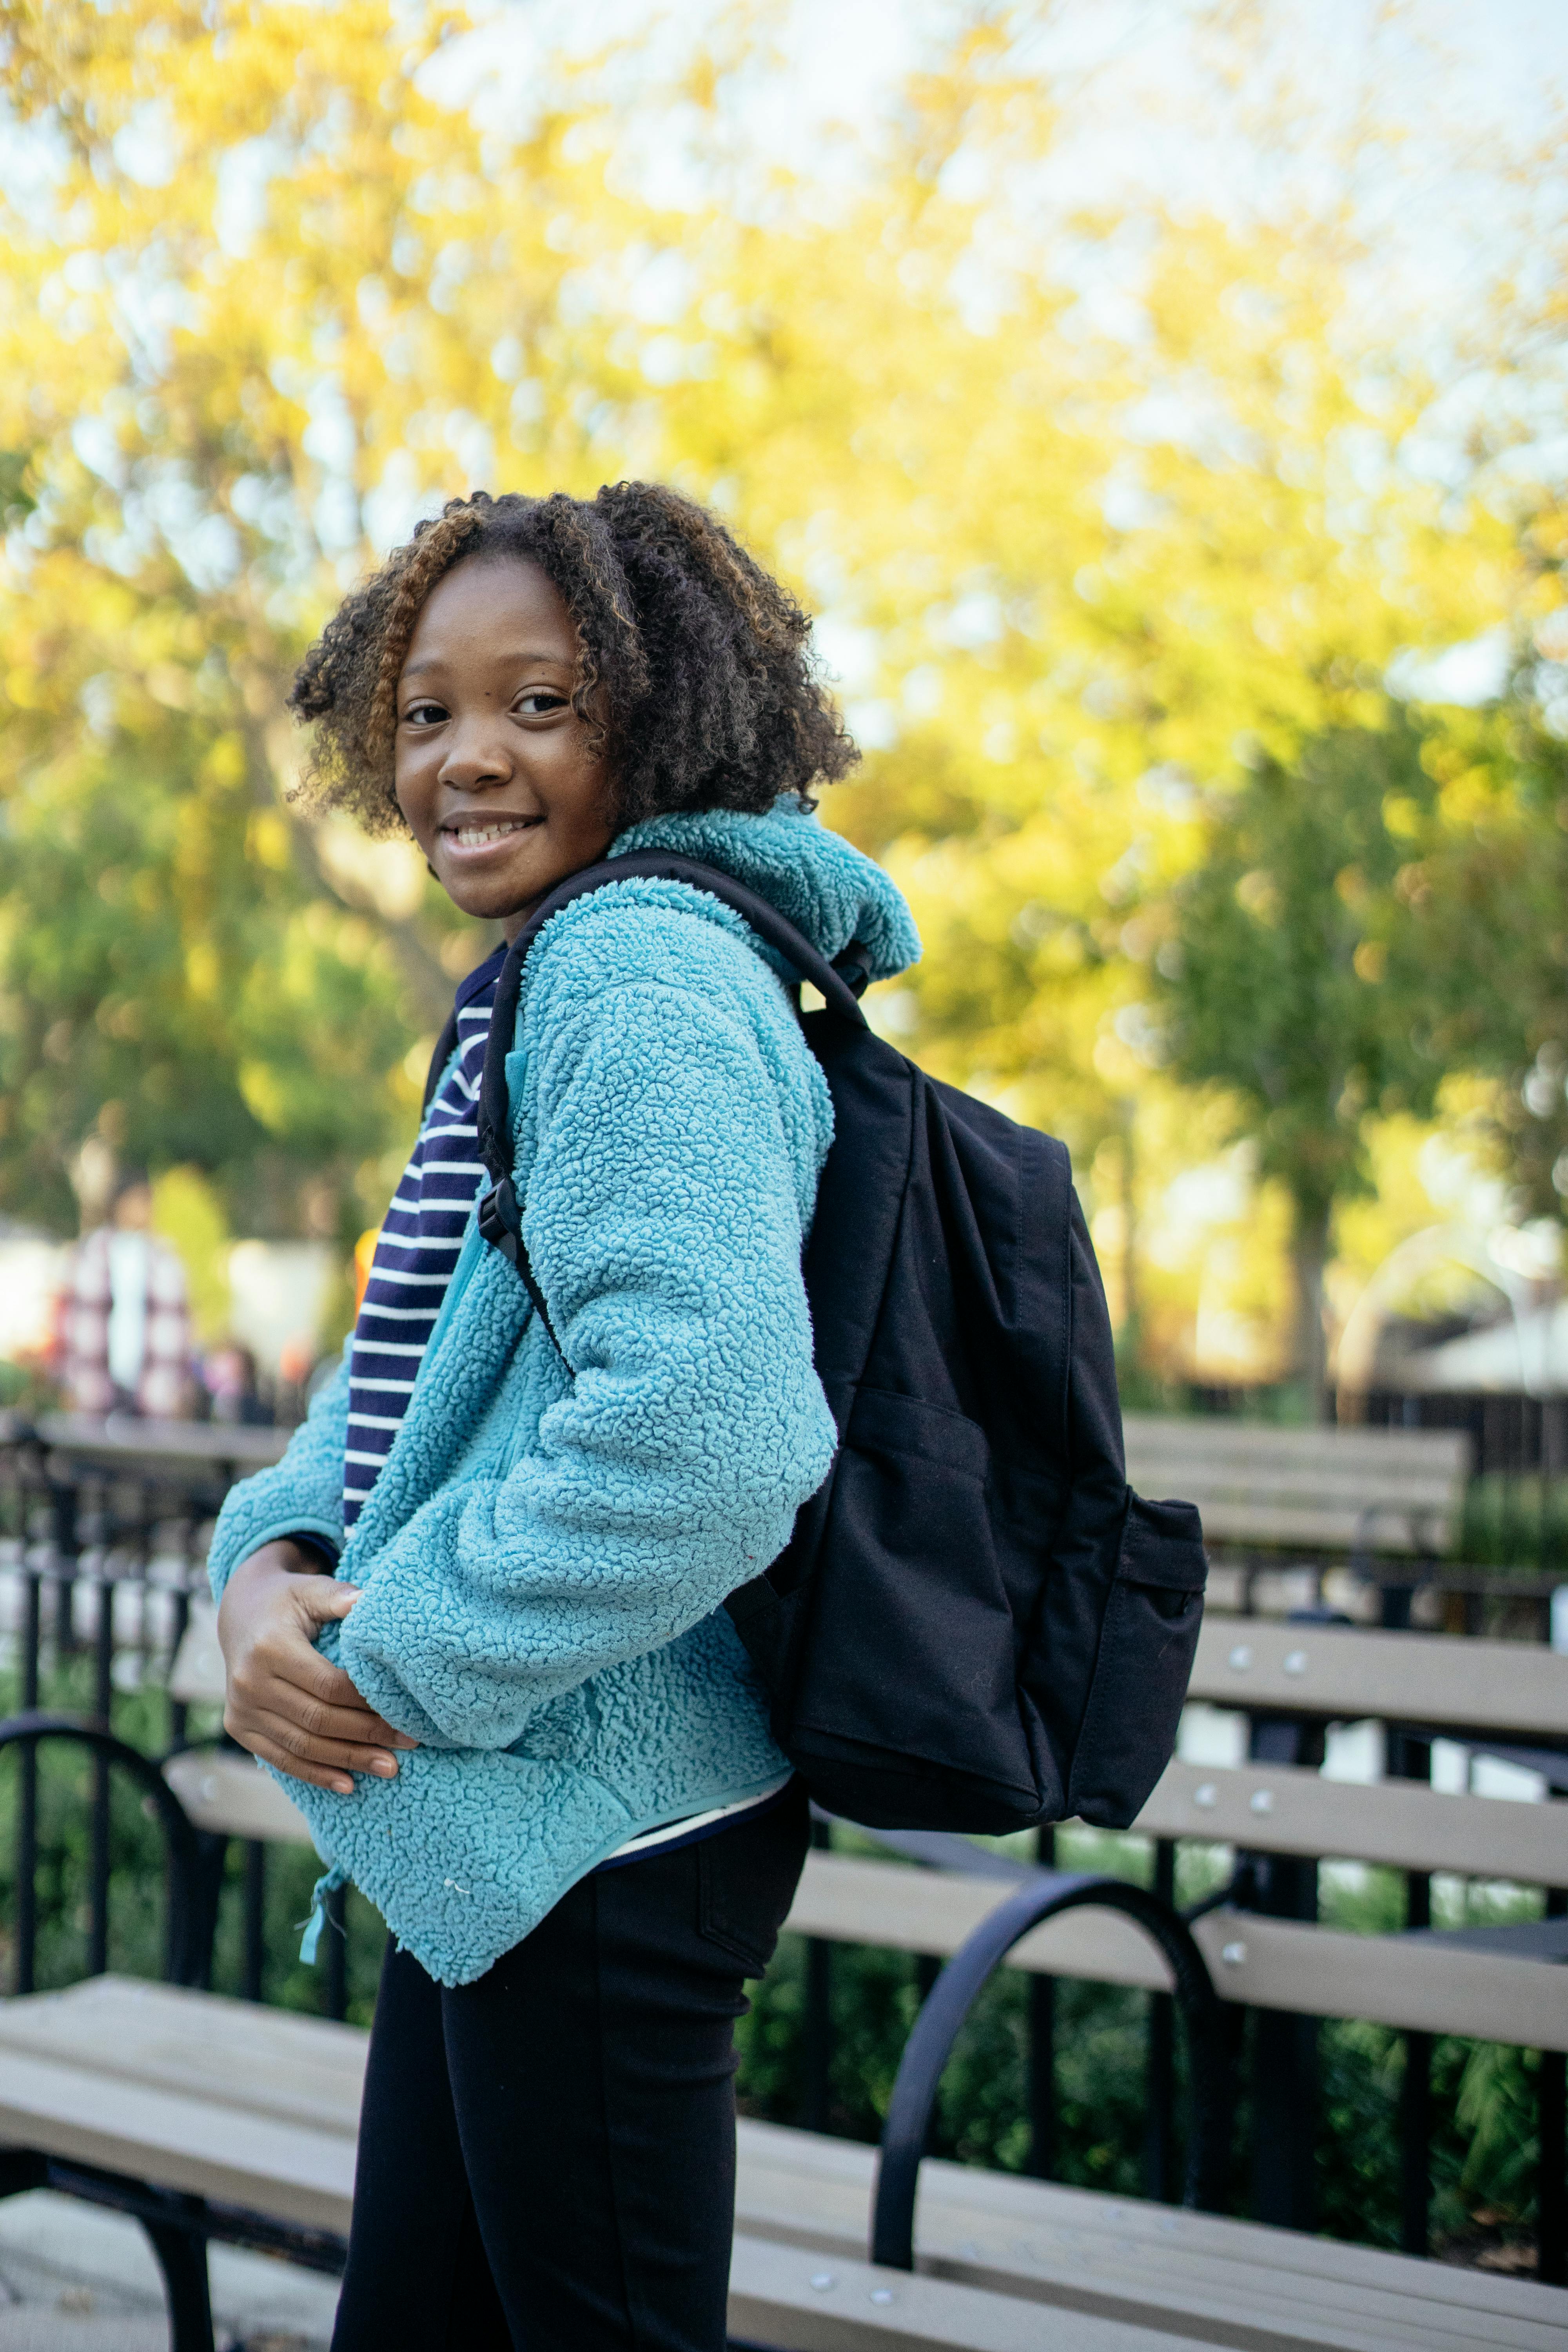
976, 1624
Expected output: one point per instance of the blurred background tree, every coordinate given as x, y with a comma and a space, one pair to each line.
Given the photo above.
1294, 978
1117, 493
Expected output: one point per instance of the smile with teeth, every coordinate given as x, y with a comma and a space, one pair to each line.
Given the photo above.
480, 834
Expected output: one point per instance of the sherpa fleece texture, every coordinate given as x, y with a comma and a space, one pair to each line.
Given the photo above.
544, 1558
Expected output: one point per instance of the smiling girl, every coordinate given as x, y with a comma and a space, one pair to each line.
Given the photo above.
474, 1614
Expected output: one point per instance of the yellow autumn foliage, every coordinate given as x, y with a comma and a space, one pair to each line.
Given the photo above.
272, 290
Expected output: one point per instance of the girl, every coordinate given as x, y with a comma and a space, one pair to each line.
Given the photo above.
474, 1614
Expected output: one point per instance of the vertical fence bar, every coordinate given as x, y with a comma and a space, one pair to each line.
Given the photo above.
27, 1795
98, 1864
1284, 2047
1041, 2086
1411, 1759
63, 1515
816, 2041
1160, 2094
1552, 2187
1551, 2195
255, 1918
178, 1711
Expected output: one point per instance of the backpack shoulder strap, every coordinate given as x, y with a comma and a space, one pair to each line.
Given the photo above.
838, 987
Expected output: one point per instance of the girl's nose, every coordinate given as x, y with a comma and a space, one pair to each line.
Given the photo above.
476, 755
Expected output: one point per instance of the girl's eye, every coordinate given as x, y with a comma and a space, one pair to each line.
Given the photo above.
538, 702
424, 714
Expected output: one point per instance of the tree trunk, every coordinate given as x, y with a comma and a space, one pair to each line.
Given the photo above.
1308, 1256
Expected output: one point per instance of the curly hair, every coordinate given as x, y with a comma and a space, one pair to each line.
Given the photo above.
693, 664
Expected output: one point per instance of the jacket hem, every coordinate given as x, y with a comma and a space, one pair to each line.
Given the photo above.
454, 1968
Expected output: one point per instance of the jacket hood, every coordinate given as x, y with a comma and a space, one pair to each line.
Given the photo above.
821, 885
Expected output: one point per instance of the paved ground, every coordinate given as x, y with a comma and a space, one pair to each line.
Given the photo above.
74, 2278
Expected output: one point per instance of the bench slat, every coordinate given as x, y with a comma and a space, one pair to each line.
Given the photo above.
190, 2143
774, 2300
846, 1900
192, 2091
273, 2063
1267, 1521
1349, 1673
1310, 1971
1399, 1823
1442, 1455
1257, 1469
1140, 2262
1421, 1987
231, 1795
196, 1677
1303, 1487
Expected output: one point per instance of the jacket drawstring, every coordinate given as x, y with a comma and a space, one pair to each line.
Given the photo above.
327, 1884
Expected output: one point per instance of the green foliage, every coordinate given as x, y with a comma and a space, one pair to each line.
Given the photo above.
1489, 894
1077, 570
1515, 1520
164, 985
1293, 980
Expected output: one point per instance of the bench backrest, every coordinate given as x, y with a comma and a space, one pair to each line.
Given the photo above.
1381, 1490
1345, 1673
152, 1448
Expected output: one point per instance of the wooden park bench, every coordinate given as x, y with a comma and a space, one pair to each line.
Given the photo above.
1324, 1489
180, 2107
249, 2112
1388, 1503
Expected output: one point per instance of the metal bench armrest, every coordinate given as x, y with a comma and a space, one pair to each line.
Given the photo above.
1047, 1894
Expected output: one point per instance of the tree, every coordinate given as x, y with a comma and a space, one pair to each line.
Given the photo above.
1294, 977
253, 261
274, 287
1489, 895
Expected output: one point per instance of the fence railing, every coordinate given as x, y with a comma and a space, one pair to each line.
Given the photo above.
104, 1536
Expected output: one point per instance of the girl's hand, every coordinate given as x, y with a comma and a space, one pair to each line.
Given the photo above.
285, 1702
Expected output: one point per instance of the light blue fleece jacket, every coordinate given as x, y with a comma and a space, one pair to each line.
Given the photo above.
544, 1557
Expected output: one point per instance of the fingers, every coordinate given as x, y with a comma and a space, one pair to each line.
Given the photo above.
309, 1671
318, 1720
315, 1776
324, 1760
285, 1654
286, 1703
328, 1685
322, 1598
323, 1750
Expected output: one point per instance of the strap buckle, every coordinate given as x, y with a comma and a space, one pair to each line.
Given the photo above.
500, 1223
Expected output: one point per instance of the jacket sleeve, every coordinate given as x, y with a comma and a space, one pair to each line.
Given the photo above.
300, 1495
664, 1224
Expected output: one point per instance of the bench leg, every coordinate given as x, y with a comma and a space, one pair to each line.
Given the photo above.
183, 2259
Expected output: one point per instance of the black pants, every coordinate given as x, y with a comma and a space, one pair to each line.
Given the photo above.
547, 2157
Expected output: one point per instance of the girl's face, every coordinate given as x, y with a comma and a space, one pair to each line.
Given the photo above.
493, 768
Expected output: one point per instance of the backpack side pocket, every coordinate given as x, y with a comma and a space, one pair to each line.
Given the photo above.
1148, 1639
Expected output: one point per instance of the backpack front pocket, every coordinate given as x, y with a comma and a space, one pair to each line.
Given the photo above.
912, 1659
1148, 1639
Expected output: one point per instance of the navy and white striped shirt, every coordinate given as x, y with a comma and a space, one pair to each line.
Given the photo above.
417, 1250
415, 1257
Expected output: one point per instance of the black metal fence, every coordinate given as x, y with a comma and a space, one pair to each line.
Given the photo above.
104, 1535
